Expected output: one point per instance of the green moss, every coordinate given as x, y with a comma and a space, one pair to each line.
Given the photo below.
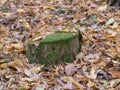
53, 56
53, 50
30, 53
67, 59
58, 37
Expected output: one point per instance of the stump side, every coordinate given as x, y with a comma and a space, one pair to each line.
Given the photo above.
30, 53
58, 48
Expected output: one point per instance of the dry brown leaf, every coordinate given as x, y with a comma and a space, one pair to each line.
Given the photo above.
37, 38
3, 30
115, 74
27, 20
77, 85
40, 87
1, 43
70, 69
27, 72
11, 81
93, 74
90, 83
21, 11
27, 25
8, 48
18, 64
102, 8
114, 82
18, 46
35, 70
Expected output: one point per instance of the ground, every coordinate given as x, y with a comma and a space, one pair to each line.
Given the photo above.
28, 21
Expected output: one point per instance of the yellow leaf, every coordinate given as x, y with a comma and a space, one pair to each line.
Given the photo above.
90, 84
66, 30
35, 70
103, 3
3, 1
18, 62
26, 25
3, 66
18, 46
7, 14
3, 30
1, 43
48, 7
115, 25
52, 2
8, 48
20, 10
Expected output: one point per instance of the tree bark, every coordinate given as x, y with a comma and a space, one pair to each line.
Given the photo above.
55, 49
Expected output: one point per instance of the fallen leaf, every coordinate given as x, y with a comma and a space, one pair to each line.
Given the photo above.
37, 38
114, 73
115, 25
18, 64
110, 21
24, 87
27, 25
70, 69
4, 60
77, 85
3, 66
48, 7
102, 8
3, 30
27, 72
111, 33
1, 43
90, 84
114, 82
35, 70
93, 73
41, 87
18, 46
3, 1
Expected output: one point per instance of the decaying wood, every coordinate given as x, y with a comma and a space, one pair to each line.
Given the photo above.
55, 49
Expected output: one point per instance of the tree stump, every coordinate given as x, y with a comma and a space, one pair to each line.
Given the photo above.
55, 49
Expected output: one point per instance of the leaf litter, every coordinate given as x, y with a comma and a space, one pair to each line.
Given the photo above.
97, 65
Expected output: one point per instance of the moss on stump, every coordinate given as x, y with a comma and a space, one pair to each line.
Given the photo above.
55, 49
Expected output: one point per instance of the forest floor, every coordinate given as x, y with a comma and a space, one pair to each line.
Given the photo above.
97, 67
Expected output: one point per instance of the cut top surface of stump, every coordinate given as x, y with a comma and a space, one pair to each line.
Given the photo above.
58, 37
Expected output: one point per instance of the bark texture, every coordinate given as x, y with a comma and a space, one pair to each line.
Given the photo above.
55, 49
